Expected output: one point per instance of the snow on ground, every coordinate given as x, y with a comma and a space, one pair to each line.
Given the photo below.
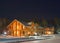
52, 40
55, 37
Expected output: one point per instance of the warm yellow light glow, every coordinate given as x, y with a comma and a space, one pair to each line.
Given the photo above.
17, 32
48, 32
14, 33
16, 28
28, 32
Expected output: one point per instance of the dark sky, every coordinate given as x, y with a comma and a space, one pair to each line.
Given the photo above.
29, 8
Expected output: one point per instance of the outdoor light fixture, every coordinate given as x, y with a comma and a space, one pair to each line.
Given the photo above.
5, 33
35, 33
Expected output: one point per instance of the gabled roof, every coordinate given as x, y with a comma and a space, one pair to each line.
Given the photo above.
15, 20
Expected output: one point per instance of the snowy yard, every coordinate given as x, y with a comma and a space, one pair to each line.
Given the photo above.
48, 39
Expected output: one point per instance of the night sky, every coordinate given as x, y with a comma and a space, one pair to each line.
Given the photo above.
29, 9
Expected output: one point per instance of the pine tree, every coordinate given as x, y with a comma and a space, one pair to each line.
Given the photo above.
44, 22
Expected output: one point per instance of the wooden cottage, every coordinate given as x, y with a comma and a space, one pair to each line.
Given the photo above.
48, 30
16, 28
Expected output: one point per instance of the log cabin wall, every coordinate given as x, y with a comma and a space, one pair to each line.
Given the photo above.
18, 29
